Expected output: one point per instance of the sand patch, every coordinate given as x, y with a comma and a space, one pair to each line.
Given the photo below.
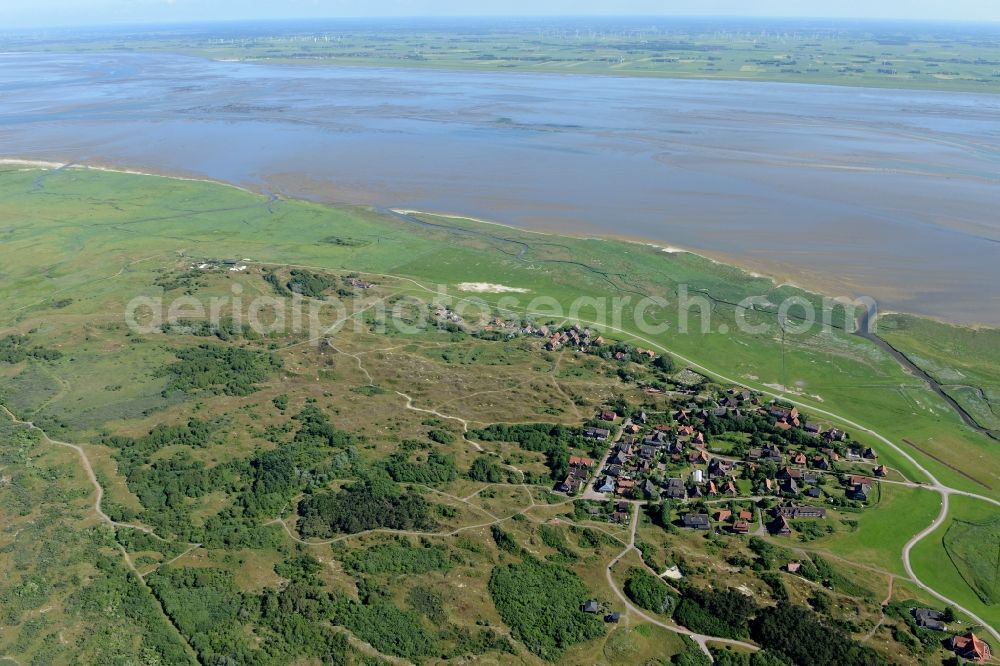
673, 573
37, 164
489, 288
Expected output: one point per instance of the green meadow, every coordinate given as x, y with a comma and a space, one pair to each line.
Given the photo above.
946, 562
879, 538
964, 360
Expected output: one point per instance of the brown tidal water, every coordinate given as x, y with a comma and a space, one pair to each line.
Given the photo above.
888, 193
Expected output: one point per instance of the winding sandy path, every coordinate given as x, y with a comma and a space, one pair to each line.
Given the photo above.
89, 470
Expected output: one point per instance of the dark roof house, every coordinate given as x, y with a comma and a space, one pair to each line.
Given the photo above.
697, 521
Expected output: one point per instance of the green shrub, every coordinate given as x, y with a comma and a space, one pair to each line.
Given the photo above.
541, 602
649, 592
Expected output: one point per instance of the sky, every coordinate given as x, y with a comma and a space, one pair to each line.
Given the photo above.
42, 13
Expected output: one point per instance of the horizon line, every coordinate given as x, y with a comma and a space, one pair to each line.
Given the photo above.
514, 17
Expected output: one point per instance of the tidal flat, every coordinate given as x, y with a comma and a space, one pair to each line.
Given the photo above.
885, 193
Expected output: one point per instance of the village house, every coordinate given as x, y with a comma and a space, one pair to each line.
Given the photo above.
579, 472
971, 648
797, 511
881, 470
625, 487
779, 526
696, 521
767, 454
653, 439
790, 473
723, 515
859, 493
607, 485
929, 618
698, 458
608, 415
596, 433
835, 435
859, 488
719, 467
675, 489
741, 527
785, 417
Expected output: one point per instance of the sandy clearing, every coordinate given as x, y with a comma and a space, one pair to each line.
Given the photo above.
490, 288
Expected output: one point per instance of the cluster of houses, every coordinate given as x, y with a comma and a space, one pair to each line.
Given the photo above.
358, 283
232, 265
968, 646
740, 521
645, 452
666, 456
737, 522
578, 475
574, 336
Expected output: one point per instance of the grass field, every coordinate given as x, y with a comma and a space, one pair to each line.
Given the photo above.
881, 535
974, 549
965, 361
932, 562
939, 57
